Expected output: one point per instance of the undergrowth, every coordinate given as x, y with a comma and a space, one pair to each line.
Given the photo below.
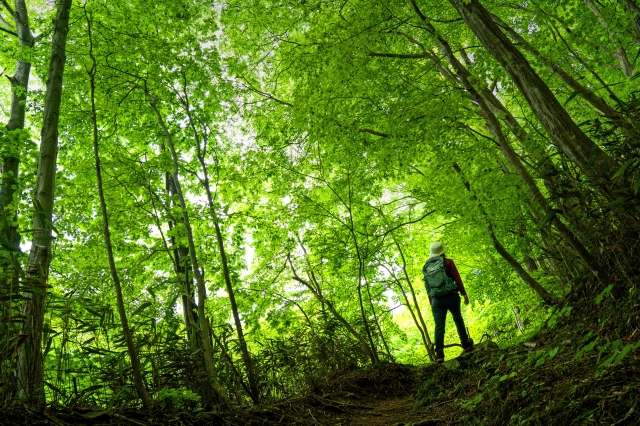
581, 367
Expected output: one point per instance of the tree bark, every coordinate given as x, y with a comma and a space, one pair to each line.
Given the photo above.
126, 331
10, 160
565, 134
597, 102
494, 128
633, 11
30, 362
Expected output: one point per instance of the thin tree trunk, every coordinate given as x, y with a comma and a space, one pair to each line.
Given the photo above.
517, 267
360, 275
597, 102
619, 54
422, 326
363, 315
219, 392
566, 135
182, 268
633, 11
131, 348
377, 320
246, 357
30, 362
10, 169
10, 166
318, 295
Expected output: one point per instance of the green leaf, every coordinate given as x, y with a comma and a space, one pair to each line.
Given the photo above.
548, 217
7, 245
592, 158
625, 351
141, 308
573, 95
603, 293
609, 360
585, 349
623, 168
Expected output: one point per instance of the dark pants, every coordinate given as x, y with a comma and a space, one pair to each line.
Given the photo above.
439, 307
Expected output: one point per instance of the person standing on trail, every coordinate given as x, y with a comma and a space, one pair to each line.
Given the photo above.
444, 287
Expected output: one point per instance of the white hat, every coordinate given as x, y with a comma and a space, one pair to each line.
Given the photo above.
436, 249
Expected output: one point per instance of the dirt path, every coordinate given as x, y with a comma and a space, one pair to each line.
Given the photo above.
383, 412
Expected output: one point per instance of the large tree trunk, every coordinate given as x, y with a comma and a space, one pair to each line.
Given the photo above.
10, 155
463, 75
633, 11
565, 134
30, 362
126, 331
597, 102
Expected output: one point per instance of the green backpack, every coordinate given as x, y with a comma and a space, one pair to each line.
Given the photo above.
436, 281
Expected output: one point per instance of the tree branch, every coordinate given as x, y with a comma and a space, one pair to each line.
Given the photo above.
374, 132
399, 55
9, 32
8, 7
266, 94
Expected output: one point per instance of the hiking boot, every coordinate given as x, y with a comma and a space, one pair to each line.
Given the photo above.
440, 356
467, 344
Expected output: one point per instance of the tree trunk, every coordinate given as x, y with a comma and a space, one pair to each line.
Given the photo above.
494, 128
633, 11
219, 393
566, 135
182, 267
376, 320
246, 356
30, 362
131, 348
318, 295
619, 54
426, 338
597, 102
524, 275
10, 157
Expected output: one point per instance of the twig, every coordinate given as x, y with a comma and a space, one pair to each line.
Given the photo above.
127, 419
314, 419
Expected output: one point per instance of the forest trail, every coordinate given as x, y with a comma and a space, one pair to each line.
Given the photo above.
379, 412
557, 378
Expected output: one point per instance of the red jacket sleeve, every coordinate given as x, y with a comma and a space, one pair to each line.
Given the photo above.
451, 267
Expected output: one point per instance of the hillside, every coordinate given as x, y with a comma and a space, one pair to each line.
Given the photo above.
580, 368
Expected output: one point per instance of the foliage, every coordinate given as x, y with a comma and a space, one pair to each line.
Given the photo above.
318, 141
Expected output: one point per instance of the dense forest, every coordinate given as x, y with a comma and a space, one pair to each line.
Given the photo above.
221, 205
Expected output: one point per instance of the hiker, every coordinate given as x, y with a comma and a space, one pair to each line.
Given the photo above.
444, 287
